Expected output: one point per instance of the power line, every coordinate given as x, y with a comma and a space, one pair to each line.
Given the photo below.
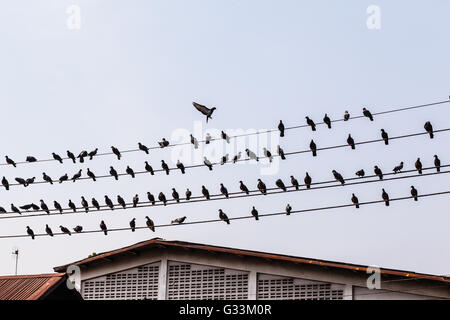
232, 195
247, 159
240, 217
249, 134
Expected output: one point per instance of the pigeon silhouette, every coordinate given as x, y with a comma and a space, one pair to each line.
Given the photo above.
143, 147
70, 155
194, 141
30, 181
205, 192
313, 148
116, 152
78, 229
135, 201
385, 197
65, 230
224, 159
48, 230
418, 165
307, 181
113, 173
327, 121
76, 176
5, 183
429, 128
72, 206
262, 187
151, 198
223, 190
294, 183
47, 178
103, 227
95, 203
360, 173
398, 168
133, 224
63, 178
281, 128
268, 154
121, 201
414, 193
355, 201
346, 115
179, 220
223, 216
57, 206
150, 224
367, 114
181, 166
175, 195
15, 209
281, 153
378, 172
44, 206
92, 154
204, 110
351, 142
225, 136
243, 187
82, 155
30, 159
91, 174
165, 167
385, 137
162, 198
84, 204
30, 232
255, 213
288, 209
188, 194
311, 123
130, 171
10, 161
163, 143
149, 168
237, 157
251, 155
21, 181
280, 184
109, 203
57, 157
208, 163
437, 164
338, 177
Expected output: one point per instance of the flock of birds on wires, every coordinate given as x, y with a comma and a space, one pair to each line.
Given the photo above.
163, 199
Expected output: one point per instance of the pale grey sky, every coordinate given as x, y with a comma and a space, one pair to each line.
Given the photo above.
131, 72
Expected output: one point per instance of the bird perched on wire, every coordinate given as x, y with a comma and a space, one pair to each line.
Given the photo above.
385, 137
398, 168
165, 167
133, 224
163, 143
150, 224
360, 173
224, 159
262, 187
179, 220
208, 138
47, 178
103, 227
307, 180
48, 230
294, 183
72, 206
281, 128
65, 230
204, 110
414, 193
44, 206
26, 207
149, 168
338, 177
78, 229
280, 152
57, 206
367, 114
82, 155
30, 181
109, 202
311, 123
205, 192
378, 172
346, 115
418, 165
92, 154
143, 147
355, 201
95, 203
327, 121
280, 184
10, 161
437, 163
225, 136
267, 154
194, 141
237, 157
121, 201
223, 190
175, 195
251, 155
63, 178
84, 204
113, 173
91, 174
34, 207
2, 210
243, 187
135, 200
70, 155
30, 159
57, 157
76, 176
151, 198
223, 216
350, 141
207, 163
429, 128
5, 183
313, 148
162, 198
180, 166
254, 213
21, 181
188, 194
288, 209
116, 152
385, 197
130, 171
30, 232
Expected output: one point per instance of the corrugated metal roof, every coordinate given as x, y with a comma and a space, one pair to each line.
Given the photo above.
158, 242
28, 287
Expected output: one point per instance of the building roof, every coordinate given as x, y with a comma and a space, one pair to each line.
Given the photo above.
29, 287
161, 243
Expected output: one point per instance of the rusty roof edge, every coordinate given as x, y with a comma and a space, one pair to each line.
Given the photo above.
257, 254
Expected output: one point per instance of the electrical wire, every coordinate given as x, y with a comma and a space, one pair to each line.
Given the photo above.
232, 195
245, 159
240, 217
248, 134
